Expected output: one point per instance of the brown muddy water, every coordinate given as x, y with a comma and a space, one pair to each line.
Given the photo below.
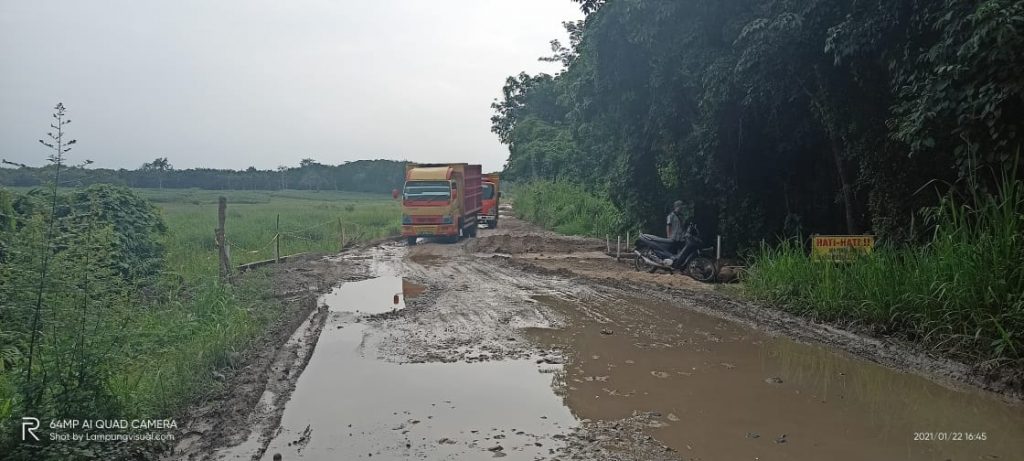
724, 391
347, 405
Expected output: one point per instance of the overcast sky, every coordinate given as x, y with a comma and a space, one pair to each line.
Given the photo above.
229, 84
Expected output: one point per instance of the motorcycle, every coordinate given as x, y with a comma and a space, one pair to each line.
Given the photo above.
652, 253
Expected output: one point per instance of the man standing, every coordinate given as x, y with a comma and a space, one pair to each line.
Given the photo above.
677, 230
674, 224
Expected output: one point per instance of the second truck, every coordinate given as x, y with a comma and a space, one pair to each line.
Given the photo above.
491, 188
441, 200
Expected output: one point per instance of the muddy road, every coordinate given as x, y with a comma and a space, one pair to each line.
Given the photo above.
527, 345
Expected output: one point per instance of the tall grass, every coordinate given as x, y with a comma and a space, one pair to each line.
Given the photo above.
962, 293
172, 350
567, 208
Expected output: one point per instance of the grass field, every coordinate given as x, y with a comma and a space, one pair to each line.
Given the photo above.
309, 222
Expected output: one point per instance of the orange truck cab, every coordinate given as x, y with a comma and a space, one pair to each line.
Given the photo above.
490, 195
440, 200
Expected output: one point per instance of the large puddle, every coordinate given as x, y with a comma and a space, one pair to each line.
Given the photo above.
349, 406
725, 391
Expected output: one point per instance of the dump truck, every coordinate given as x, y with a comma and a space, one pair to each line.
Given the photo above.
440, 200
490, 195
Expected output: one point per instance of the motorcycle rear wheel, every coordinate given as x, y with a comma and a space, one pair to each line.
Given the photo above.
702, 269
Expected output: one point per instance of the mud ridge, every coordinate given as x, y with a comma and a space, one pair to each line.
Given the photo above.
617, 440
533, 243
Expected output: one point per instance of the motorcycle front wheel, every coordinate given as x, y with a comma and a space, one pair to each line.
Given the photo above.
639, 263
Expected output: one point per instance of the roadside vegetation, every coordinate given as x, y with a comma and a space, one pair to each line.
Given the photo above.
567, 208
134, 321
110, 303
961, 293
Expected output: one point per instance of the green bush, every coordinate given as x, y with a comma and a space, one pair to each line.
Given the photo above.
105, 348
138, 226
77, 309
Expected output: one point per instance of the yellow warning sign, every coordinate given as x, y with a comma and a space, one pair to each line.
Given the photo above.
840, 247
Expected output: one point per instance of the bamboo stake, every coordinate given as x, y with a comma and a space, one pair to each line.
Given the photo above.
277, 241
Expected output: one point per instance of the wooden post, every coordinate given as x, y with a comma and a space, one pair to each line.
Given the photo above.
221, 235
607, 244
341, 236
718, 248
277, 241
627, 240
618, 247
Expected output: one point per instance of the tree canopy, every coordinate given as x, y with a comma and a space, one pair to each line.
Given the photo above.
775, 117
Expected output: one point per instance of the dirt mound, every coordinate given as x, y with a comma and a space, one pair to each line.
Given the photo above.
533, 243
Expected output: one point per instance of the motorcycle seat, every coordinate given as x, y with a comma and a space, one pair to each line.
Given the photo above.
656, 239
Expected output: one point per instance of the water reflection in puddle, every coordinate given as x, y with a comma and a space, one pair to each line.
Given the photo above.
728, 392
347, 406
412, 289
373, 296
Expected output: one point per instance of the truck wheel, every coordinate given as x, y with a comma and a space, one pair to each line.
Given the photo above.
411, 241
473, 230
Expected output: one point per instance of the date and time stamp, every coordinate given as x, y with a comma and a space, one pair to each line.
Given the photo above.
947, 436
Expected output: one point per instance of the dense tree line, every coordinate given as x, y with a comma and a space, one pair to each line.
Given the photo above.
776, 117
358, 176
